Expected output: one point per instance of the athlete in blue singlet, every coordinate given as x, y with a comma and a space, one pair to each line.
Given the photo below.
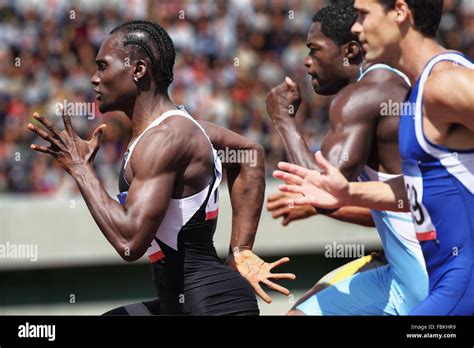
440, 187
436, 145
361, 142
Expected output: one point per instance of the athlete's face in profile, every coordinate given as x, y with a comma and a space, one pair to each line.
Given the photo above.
378, 31
113, 80
325, 62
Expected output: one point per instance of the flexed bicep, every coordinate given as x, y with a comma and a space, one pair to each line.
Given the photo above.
155, 164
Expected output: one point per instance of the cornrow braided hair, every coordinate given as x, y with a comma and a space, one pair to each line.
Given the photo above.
154, 41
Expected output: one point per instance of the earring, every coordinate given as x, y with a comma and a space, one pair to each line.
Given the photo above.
135, 79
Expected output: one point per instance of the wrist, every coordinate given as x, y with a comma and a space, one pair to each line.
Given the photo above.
81, 172
239, 249
282, 120
349, 199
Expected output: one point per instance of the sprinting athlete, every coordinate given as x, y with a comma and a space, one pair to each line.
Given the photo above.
361, 143
169, 181
436, 145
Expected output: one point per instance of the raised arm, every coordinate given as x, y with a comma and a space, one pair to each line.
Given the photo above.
129, 228
282, 105
347, 145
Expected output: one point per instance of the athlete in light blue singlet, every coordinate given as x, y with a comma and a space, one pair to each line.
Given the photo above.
392, 289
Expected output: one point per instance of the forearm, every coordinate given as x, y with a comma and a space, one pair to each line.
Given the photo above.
247, 190
109, 215
354, 215
388, 195
296, 148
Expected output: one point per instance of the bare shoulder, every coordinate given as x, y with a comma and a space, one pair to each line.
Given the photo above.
447, 83
162, 147
363, 100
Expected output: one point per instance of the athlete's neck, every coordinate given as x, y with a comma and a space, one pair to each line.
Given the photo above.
416, 51
346, 76
146, 109
354, 75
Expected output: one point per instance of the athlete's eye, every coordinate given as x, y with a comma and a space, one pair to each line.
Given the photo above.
101, 66
361, 15
313, 51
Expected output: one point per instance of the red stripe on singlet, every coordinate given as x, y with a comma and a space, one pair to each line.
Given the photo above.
424, 236
156, 256
211, 215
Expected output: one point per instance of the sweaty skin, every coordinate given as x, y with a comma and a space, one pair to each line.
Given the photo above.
447, 118
358, 134
171, 161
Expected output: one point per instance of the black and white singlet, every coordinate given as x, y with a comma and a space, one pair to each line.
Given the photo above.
188, 274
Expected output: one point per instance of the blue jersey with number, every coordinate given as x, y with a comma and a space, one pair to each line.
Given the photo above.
440, 188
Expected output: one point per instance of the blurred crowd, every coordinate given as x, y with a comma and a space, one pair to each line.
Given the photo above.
230, 53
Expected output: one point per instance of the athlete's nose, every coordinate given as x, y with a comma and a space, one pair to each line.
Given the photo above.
95, 80
307, 61
356, 28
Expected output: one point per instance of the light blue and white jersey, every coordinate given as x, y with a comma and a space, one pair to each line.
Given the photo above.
397, 233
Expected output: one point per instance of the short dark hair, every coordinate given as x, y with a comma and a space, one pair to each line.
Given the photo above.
150, 40
336, 21
426, 14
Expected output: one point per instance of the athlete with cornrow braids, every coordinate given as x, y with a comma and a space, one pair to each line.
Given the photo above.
168, 184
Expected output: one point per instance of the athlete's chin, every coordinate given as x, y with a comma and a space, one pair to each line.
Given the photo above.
373, 55
107, 107
103, 107
325, 90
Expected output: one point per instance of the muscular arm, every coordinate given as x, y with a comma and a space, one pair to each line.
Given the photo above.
246, 183
130, 228
348, 143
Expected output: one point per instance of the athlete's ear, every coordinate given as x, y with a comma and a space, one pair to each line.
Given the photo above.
352, 50
139, 70
402, 11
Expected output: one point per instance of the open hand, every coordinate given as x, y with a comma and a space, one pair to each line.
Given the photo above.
281, 204
255, 270
328, 189
66, 146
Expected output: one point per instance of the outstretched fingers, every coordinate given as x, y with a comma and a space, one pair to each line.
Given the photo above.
291, 189
67, 122
276, 287
288, 177
97, 135
44, 150
45, 135
289, 276
49, 126
279, 262
294, 169
323, 163
260, 292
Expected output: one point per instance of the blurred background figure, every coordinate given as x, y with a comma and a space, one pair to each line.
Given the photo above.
230, 54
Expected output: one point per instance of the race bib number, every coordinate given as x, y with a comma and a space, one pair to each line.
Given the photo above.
425, 230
